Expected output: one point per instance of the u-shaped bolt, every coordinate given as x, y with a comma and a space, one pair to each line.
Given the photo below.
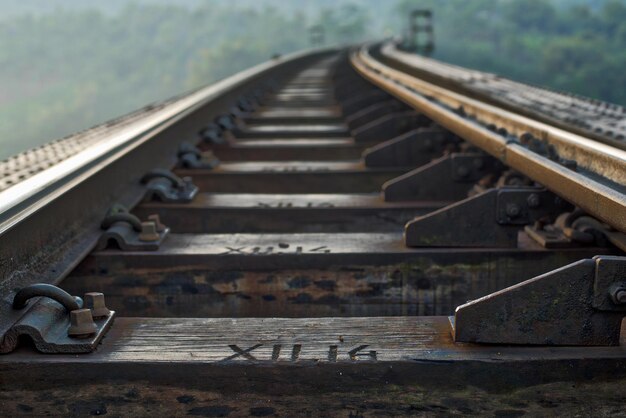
166, 174
41, 289
131, 219
81, 320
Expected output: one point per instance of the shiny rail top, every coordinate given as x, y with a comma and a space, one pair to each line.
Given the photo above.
28, 174
602, 121
586, 172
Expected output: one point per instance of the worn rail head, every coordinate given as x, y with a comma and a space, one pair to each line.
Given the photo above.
598, 183
51, 220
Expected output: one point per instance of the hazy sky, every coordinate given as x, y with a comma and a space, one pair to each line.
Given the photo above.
64, 68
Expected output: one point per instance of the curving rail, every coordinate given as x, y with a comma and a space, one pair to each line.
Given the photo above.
543, 152
602, 121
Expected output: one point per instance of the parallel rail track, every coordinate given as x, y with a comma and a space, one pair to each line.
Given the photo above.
326, 213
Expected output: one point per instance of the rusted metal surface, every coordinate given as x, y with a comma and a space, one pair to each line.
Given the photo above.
414, 148
165, 186
390, 126
601, 193
57, 322
450, 177
374, 112
490, 219
570, 306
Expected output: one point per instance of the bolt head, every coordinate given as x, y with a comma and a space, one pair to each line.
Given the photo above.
462, 171
157, 221
95, 302
513, 210
81, 324
534, 201
479, 163
148, 232
618, 295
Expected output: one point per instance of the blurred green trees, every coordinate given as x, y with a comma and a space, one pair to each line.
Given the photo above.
67, 69
567, 45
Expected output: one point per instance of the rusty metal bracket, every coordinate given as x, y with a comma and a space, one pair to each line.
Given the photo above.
351, 103
58, 322
213, 134
412, 149
373, 112
246, 105
165, 186
490, 219
390, 126
573, 229
189, 156
448, 178
583, 303
126, 232
220, 131
227, 122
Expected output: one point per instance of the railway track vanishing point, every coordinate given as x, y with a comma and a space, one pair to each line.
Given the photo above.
332, 225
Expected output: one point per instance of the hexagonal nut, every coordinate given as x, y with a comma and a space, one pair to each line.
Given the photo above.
148, 232
95, 302
534, 201
81, 324
157, 221
617, 292
513, 210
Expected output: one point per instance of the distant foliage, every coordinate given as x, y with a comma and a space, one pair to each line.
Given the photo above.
569, 45
68, 64
69, 69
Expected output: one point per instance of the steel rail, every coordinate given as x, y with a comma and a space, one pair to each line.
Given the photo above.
597, 186
49, 222
121, 141
583, 116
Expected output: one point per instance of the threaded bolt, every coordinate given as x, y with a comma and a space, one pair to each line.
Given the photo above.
95, 302
157, 221
81, 324
148, 232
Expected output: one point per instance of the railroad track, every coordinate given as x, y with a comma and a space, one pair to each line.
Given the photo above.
324, 234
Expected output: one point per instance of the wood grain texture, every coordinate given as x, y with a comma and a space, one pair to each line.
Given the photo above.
239, 284
273, 177
240, 213
378, 339
254, 355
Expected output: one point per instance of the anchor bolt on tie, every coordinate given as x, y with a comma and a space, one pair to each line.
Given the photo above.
149, 232
81, 324
21, 298
618, 294
95, 302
